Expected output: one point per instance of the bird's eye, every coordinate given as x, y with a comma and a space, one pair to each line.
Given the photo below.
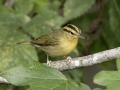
72, 33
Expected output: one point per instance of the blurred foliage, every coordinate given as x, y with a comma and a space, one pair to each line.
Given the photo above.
38, 17
111, 25
39, 77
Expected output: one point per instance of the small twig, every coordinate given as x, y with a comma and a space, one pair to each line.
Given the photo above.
9, 3
60, 10
94, 27
100, 5
29, 35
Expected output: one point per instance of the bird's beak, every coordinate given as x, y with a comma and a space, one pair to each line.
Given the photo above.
80, 36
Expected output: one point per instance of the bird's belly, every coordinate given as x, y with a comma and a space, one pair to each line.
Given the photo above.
59, 50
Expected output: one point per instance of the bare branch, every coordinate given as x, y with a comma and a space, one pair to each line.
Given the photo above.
84, 61
87, 60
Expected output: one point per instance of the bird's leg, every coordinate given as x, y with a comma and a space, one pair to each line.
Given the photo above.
48, 61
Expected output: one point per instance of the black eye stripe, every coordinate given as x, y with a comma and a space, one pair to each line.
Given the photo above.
68, 31
70, 26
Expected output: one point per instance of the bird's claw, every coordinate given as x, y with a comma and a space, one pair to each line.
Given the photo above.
68, 59
49, 62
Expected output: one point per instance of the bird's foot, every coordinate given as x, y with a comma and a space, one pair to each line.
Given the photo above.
48, 62
68, 59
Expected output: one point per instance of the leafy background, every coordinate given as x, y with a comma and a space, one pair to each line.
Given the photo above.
99, 21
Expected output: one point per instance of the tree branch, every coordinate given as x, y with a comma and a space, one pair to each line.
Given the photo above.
84, 61
89, 60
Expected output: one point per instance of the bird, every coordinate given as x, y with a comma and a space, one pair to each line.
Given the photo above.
59, 42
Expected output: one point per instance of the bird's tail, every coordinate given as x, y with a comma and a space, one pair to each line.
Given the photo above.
25, 42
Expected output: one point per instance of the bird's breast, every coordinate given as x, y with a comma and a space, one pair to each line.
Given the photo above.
63, 48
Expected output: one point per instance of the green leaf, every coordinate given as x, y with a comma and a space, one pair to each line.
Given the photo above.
97, 89
54, 5
72, 86
5, 9
38, 77
111, 79
40, 4
46, 4
12, 54
84, 87
23, 6
75, 74
12, 21
43, 23
76, 8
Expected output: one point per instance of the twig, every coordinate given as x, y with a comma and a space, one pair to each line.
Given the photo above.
94, 29
60, 10
9, 3
95, 25
84, 61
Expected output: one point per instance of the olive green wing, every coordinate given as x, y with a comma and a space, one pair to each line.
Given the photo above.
45, 40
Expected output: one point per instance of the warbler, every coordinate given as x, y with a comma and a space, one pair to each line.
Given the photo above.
60, 42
